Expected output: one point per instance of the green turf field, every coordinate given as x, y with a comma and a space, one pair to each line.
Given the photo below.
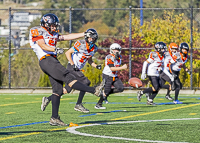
124, 120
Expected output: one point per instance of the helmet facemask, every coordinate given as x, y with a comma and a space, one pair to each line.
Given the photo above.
56, 29
93, 34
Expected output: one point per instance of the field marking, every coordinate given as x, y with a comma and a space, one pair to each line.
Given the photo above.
29, 102
73, 130
27, 124
160, 111
10, 112
192, 113
19, 103
23, 135
28, 134
99, 113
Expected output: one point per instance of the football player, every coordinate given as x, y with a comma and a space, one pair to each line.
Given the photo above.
177, 62
43, 40
168, 77
78, 55
154, 63
112, 66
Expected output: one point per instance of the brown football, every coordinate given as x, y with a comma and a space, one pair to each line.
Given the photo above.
135, 82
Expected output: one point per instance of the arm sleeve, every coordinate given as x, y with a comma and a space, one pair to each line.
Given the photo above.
144, 67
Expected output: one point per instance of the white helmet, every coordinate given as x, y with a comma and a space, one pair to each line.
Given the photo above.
115, 46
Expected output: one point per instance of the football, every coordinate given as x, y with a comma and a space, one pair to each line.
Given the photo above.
135, 82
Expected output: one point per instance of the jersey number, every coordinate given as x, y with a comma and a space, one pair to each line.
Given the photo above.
34, 32
52, 42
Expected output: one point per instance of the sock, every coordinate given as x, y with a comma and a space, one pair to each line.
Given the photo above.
82, 87
55, 105
176, 94
100, 100
148, 90
153, 95
168, 91
80, 97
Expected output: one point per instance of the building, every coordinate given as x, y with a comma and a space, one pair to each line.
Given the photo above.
20, 21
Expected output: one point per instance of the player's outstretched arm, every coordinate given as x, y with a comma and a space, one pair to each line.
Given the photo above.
118, 68
71, 36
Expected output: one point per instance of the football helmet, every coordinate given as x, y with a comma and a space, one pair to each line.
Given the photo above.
184, 46
115, 46
159, 46
91, 33
50, 19
173, 46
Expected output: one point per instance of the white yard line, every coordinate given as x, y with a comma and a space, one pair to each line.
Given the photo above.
73, 130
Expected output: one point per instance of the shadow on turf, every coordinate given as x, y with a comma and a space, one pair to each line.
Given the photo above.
43, 131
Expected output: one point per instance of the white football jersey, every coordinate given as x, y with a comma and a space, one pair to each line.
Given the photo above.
155, 61
110, 59
82, 52
167, 60
39, 32
178, 61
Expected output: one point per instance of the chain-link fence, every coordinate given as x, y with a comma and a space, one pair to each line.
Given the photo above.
19, 64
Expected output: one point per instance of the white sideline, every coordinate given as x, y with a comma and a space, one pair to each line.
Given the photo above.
73, 130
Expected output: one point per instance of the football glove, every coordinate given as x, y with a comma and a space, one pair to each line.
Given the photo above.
75, 67
59, 50
98, 67
143, 76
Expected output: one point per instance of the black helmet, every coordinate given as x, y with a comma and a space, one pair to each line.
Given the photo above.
50, 19
183, 46
159, 46
93, 34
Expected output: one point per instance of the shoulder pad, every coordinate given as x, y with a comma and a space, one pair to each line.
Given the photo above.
153, 55
178, 55
167, 54
110, 57
37, 31
82, 41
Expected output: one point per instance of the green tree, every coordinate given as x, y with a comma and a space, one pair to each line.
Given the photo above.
93, 74
109, 15
44, 81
